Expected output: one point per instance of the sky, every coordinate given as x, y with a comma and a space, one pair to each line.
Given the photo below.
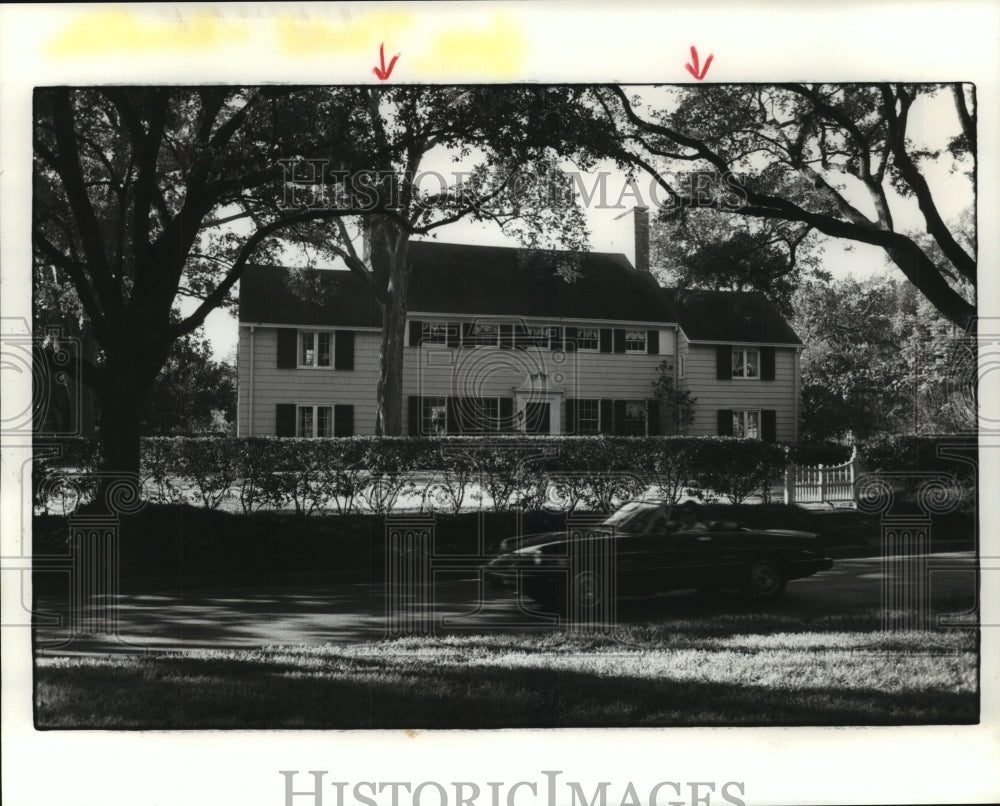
932, 122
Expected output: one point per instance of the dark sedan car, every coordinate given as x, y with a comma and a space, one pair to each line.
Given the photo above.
641, 550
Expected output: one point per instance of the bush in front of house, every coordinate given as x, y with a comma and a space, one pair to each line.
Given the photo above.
503, 472
939, 471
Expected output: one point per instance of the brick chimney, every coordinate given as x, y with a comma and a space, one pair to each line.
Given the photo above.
641, 226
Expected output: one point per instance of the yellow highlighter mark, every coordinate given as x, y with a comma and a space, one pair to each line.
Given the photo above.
109, 31
497, 49
299, 36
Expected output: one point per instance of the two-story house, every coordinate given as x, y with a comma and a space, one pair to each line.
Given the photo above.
503, 340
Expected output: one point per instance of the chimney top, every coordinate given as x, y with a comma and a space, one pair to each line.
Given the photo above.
641, 228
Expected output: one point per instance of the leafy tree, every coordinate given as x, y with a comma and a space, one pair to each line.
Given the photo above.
878, 358
509, 141
677, 407
193, 393
143, 196
136, 191
826, 157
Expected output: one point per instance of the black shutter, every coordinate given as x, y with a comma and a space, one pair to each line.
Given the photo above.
452, 328
768, 425
570, 426
284, 419
413, 415
343, 420
506, 414
288, 345
653, 342
605, 340
619, 421
724, 362
569, 343
452, 415
619, 340
557, 338
607, 417
767, 363
653, 415
343, 349
506, 336
725, 422
466, 334
416, 333
520, 337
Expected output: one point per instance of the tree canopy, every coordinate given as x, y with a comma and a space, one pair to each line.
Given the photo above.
834, 159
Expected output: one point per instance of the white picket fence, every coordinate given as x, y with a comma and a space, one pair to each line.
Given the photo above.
818, 484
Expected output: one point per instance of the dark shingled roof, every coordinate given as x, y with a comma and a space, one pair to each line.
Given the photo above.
730, 316
503, 281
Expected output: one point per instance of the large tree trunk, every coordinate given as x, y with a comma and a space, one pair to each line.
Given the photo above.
121, 397
389, 410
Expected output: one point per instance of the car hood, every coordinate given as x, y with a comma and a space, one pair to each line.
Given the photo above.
512, 544
789, 533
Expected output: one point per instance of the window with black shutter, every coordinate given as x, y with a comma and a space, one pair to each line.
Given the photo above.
653, 417
570, 427
343, 349
724, 362
343, 420
284, 419
506, 336
725, 417
653, 342
607, 417
413, 415
288, 340
606, 340
506, 414
768, 425
570, 340
619, 417
619, 340
767, 363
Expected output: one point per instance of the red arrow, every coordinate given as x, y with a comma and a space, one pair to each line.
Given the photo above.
384, 72
694, 70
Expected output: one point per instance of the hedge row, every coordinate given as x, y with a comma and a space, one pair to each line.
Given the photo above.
373, 473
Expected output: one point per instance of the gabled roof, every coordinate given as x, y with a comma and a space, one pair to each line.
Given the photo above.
729, 316
510, 282
469, 280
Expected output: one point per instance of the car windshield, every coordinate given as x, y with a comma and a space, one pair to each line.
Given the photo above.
632, 517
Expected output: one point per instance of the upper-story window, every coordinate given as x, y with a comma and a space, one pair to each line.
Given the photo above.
635, 341
539, 336
483, 334
587, 338
315, 348
434, 332
746, 362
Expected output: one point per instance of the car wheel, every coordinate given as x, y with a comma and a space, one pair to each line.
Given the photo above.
765, 581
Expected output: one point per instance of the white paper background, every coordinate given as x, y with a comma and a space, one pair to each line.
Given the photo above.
835, 41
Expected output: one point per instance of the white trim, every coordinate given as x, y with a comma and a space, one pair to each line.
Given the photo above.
550, 320
279, 325
787, 344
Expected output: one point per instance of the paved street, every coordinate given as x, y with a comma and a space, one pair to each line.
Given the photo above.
359, 613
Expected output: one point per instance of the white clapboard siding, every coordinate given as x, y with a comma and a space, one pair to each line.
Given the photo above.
321, 386
431, 370
749, 393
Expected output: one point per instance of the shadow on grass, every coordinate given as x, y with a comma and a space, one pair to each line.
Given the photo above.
318, 689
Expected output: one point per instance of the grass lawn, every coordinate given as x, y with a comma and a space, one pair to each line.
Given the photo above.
638, 676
